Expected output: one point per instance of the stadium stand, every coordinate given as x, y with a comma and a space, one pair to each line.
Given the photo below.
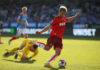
40, 11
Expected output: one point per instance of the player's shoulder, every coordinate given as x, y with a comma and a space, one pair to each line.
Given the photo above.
36, 50
25, 40
31, 42
21, 14
66, 18
56, 18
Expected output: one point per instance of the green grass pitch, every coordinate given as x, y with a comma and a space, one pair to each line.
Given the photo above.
79, 54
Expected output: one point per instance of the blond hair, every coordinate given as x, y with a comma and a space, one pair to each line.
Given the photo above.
62, 7
24, 7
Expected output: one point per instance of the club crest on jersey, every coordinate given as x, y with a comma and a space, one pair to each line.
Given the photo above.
62, 24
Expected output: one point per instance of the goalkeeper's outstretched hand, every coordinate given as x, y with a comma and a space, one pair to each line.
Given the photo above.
28, 58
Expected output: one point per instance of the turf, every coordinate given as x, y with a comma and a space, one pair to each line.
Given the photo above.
79, 54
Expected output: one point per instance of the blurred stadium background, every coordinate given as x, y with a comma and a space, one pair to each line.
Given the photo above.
81, 38
40, 14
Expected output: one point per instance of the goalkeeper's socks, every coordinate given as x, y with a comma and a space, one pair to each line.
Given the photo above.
52, 58
14, 37
42, 45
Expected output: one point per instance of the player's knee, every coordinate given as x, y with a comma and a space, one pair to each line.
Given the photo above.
58, 53
26, 35
47, 48
20, 48
22, 57
18, 36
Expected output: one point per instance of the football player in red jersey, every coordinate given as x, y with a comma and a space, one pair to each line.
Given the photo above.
58, 26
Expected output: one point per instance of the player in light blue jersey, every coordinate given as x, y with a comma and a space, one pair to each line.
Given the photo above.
22, 24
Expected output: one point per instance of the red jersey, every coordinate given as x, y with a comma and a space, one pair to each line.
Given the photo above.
58, 26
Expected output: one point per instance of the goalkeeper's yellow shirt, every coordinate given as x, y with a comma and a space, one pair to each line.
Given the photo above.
27, 49
25, 42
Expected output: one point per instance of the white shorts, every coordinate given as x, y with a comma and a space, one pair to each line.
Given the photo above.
21, 31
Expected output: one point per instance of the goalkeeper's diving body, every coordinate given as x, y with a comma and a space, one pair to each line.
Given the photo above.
23, 45
31, 47
27, 46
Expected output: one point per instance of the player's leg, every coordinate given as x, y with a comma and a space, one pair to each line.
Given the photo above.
23, 55
25, 36
18, 55
19, 31
13, 38
42, 45
50, 43
57, 46
13, 50
25, 33
18, 48
53, 57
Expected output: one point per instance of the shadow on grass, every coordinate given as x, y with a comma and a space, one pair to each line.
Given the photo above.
53, 68
21, 61
9, 54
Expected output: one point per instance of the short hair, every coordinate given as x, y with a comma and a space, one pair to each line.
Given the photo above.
63, 7
35, 46
24, 7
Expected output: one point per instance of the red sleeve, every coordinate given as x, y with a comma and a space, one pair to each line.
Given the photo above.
54, 21
66, 19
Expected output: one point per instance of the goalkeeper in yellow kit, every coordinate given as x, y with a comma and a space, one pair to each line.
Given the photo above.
31, 47
23, 45
27, 45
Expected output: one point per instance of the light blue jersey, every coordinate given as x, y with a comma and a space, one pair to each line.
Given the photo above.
23, 18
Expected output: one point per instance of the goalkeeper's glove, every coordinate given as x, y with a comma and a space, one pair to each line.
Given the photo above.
28, 58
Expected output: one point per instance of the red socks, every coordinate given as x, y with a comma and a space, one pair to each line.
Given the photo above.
52, 58
14, 37
42, 45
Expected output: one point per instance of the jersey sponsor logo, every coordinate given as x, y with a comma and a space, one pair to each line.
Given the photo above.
62, 24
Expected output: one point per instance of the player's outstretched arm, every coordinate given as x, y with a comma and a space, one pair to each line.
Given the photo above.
73, 17
33, 55
44, 29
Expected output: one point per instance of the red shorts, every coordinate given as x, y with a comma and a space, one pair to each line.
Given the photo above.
54, 41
